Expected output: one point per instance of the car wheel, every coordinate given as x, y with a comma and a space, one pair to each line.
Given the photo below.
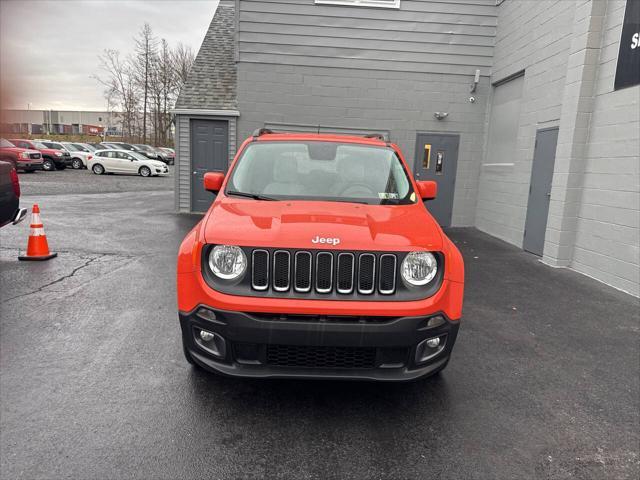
97, 169
76, 163
47, 165
144, 171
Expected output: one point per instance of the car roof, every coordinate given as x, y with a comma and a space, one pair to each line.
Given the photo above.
320, 137
123, 150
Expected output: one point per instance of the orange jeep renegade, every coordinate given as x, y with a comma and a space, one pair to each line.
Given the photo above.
318, 259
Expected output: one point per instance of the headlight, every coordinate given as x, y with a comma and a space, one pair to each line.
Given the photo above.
24, 155
58, 154
419, 268
227, 262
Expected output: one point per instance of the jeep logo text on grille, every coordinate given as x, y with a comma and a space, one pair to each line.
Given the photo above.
330, 241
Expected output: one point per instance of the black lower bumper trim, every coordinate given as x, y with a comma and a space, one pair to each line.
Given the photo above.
276, 348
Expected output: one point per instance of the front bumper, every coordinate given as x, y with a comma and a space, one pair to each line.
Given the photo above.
315, 346
62, 161
29, 164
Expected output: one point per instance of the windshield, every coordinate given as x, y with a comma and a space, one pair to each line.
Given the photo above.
39, 145
327, 171
6, 143
53, 146
71, 148
83, 148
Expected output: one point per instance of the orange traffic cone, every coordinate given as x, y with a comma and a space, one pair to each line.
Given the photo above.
37, 248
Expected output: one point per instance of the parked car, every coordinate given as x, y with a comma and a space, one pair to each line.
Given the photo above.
171, 154
152, 152
26, 159
84, 147
319, 259
61, 162
52, 158
125, 161
79, 155
10, 211
129, 147
96, 146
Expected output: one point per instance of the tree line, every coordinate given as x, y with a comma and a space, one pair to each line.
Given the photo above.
144, 86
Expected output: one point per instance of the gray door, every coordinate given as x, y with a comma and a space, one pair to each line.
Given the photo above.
437, 159
209, 153
540, 190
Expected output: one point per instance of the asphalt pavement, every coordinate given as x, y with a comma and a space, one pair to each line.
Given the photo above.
68, 181
543, 382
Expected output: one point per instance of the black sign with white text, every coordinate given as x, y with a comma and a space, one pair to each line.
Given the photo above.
628, 70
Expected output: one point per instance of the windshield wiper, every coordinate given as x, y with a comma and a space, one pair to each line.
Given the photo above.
255, 196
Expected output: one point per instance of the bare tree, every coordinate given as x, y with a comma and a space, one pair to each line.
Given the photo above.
145, 48
149, 80
120, 87
182, 59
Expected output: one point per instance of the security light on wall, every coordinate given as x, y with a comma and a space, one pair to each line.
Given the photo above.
441, 115
476, 80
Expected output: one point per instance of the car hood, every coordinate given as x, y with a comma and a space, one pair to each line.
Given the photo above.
296, 224
19, 150
51, 151
155, 163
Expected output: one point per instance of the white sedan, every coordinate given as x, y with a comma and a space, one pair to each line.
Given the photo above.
79, 156
124, 161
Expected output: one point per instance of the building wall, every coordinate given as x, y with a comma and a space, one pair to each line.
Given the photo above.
607, 239
183, 156
370, 69
60, 118
533, 37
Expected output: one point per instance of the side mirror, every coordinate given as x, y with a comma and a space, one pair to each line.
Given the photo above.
427, 189
213, 181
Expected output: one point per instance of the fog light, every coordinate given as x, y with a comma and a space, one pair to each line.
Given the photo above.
431, 343
429, 348
210, 342
206, 336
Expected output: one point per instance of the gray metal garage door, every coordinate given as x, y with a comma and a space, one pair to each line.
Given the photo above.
209, 153
505, 120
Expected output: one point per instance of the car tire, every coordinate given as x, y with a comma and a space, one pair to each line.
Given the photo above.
97, 169
48, 165
77, 164
144, 171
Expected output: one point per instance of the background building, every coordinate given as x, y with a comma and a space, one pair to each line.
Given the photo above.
59, 122
526, 113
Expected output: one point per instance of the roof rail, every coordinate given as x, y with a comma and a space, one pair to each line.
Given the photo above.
377, 136
261, 131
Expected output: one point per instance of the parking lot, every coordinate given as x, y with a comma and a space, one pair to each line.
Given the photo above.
543, 382
84, 181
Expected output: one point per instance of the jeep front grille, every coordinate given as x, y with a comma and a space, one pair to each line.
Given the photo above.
324, 272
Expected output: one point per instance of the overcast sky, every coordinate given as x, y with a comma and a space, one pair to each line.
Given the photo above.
49, 49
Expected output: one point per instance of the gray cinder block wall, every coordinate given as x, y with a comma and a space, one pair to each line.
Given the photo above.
568, 51
607, 240
533, 37
371, 69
